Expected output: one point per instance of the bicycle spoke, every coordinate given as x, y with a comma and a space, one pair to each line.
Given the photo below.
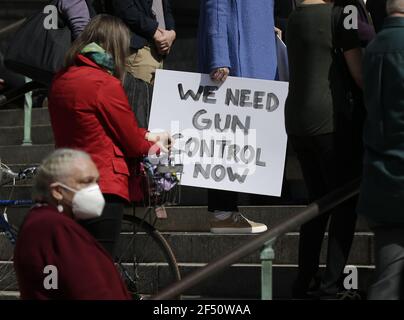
149, 254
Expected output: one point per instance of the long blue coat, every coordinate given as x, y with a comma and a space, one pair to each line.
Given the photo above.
238, 34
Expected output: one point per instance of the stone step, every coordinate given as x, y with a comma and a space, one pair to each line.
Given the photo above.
9, 295
40, 134
196, 219
190, 196
201, 247
293, 192
240, 281
12, 155
294, 195
18, 9
20, 192
205, 247
11, 136
15, 117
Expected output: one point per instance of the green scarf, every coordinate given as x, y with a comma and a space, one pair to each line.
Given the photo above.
98, 55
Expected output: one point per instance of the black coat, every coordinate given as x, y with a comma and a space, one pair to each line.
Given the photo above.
139, 17
377, 9
283, 8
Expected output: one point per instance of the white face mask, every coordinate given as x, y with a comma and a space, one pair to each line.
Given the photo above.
87, 203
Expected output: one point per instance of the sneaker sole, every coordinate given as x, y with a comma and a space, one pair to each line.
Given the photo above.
239, 230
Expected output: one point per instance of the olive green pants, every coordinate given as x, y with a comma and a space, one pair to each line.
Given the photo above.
144, 63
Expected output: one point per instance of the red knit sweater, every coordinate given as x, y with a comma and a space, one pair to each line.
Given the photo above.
84, 269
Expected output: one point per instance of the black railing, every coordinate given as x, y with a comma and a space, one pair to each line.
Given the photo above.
14, 94
7, 31
313, 210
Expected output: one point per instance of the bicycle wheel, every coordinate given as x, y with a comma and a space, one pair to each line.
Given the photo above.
8, 280
145, 259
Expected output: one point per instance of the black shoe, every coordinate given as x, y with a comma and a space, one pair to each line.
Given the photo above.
304, 295
305, 292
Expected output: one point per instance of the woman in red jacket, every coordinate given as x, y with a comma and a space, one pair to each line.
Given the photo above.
89, 111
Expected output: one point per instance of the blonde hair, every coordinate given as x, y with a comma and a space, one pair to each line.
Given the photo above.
108, 32
54, 168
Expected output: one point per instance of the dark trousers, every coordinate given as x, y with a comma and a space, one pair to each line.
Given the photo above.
389, 254
221, 200
325, 167
107, 228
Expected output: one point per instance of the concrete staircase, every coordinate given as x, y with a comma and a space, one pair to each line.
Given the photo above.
17, 157
14, 10
187, 228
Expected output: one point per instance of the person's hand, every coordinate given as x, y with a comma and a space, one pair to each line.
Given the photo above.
164, 40
278, 32
160, 41
220, 74
157, 35
1, 84
162, 139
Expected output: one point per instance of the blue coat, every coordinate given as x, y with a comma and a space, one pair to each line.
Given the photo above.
238, 34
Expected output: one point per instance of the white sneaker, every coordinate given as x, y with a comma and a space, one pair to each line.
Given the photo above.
237, 224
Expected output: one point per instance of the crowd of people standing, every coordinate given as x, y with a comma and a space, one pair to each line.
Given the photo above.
342, 116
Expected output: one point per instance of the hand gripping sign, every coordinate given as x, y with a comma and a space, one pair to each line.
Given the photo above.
229, 136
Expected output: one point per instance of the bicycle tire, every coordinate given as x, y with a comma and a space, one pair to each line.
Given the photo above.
8, 280
149, 274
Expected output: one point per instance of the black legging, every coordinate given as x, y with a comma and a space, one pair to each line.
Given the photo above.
325, 167
107, 228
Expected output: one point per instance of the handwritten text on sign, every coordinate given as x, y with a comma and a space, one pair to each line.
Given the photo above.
229, 136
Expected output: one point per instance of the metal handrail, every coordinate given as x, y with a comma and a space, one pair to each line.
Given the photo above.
11, 28
26, 91
14, 94
313, 210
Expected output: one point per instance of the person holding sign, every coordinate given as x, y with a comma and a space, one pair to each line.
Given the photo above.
235, 39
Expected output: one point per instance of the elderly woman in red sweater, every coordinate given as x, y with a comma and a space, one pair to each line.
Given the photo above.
89, 111
55, 257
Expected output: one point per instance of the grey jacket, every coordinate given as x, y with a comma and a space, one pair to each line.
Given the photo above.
76, 13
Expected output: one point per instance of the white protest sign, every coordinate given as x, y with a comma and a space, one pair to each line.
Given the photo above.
229, 136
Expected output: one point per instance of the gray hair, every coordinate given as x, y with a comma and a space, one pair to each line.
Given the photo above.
395, 6
54, 168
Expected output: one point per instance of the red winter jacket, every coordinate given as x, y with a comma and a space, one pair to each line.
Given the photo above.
90, 111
